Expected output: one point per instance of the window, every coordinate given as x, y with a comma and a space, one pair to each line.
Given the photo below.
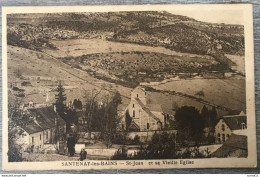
144, 93
47, 135
148, 126
32, 140
40, 137
123, 126
137, 95
133, 105
227, 135
223, 138
40, 146
133, 113
243, 126
219, 140
223, 127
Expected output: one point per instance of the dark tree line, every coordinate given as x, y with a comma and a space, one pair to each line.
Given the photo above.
192, 124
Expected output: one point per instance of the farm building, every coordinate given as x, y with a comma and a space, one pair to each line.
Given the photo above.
227, 125
144, 116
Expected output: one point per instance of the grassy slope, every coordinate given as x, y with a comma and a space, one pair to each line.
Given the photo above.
28, 64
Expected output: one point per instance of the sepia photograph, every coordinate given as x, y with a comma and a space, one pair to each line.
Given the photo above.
161, 86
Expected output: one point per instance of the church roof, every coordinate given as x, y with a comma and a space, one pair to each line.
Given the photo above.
122, 107
146, 109
154, 107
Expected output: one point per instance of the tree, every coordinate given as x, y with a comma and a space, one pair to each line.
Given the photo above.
60, 99
16, 118
128, 119
189, 124
77, 104
92, 110
161, 146
110, 118
205, 114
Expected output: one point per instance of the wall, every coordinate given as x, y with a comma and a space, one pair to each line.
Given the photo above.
218, 130
38, 143
101, 152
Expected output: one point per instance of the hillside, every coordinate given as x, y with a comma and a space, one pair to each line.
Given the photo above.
120, 50
151, 28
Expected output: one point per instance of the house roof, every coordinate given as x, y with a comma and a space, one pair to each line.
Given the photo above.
46, 116
235, 122
233, 143
146, 109
31, 128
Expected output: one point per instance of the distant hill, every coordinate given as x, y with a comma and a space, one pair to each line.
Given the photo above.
150, 28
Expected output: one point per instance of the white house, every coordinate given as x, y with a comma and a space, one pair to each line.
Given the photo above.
232, 124
44, 127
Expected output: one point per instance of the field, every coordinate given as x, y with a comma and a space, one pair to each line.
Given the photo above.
228, 93
28, 63
79, 47
239, 61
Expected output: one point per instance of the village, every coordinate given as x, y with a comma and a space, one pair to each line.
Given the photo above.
46, 135
124, 86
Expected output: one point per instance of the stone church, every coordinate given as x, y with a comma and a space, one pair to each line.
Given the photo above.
144, 116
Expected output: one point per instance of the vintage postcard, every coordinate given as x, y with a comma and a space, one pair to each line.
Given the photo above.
128, 87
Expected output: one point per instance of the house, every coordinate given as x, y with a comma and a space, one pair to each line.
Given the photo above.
235, 146
144, 116
30, 137
227, 125
45, 127
49, 121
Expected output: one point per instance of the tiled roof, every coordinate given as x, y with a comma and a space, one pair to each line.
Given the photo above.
32, 127
46, 116
233, 143
235, 122
146, 109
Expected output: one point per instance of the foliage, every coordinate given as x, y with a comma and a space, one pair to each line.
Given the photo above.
16, 118
128, 119
189, 124
110, 118
120, 154
77, 104
161, 146
190, 153
102, 116
60, 100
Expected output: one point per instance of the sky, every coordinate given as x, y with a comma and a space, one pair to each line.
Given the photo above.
214, 16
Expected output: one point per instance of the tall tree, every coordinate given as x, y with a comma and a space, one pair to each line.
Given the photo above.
205, 114
128, 119
110, 118
60, 100
91, 110
189, 124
